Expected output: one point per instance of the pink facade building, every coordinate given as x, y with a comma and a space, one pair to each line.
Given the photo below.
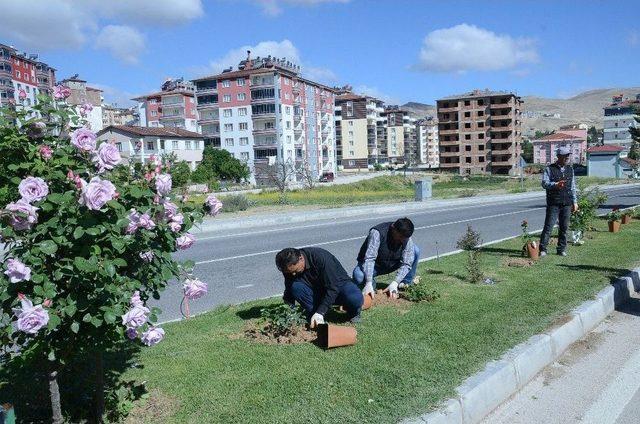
265, 112
23, 77
544, 148
172, 107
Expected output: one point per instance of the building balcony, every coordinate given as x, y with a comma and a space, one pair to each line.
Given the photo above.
262, 84
503, 161
449, 164
264, 131
262, 143
207, 90
296, 89
261, 116
449, 132
297, 118
502, 150
509, 104
212, 133
209, 120
205, 106
178, 116
447, 109
172, 103
498, 138
449, 154
262, 100
449, 142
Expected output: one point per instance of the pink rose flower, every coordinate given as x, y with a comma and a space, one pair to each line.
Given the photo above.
30, 318
22, 94
25, 215
135, 299
213, 205
194, 288
17, 271
134, 222
174, 226
185, 241
61, 92
97, 193
131, 333
146, 222
146, 256
178, 218
107, 156
163, 184
45, 152
170, 209
85, 108
152, 336
33, 189
135, 317
84, 139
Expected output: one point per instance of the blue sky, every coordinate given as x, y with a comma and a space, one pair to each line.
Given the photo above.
402, 50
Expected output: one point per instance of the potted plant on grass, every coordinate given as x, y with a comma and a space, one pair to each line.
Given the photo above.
531, 246
614, 218
626, 217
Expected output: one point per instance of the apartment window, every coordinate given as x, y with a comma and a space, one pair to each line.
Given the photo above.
244, 126
288, 125
196, 144
244, 155
187, 144
351, 123
480, 102
467, 114
467, 103
161, 144
467, 136
18, 74
242, 111
351, 134
228, 127
226, 83
119, 146
240, 82
269, 125
263, 109
481, 136
352, 163
228, 142
226, 98
287, 110
286, 81
350, 142
467, 160
154, 113
241, 96
467, 148
244, 141
481, 147
288, 139
227, 113
480, 124
175, 145
480, 113
467, 125
480, 159
349, 108
351, 153
150, 145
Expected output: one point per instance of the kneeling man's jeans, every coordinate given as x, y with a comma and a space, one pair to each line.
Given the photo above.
349, 297
358, 271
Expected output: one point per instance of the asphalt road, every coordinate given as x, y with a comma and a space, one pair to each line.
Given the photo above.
238, 265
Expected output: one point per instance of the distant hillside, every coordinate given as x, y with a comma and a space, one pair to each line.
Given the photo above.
544, 114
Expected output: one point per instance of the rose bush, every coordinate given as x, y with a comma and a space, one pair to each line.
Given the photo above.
87, 240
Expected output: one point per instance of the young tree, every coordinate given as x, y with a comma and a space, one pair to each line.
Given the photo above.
527, 151
592, 136
634, 152
308, 177
279, 175
223, 165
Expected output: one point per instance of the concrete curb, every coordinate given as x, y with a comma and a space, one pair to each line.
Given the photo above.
217, 224
499, 380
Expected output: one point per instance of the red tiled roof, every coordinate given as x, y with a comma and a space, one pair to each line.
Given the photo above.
605, 148
557, 136
152, 131
163, 93
630, 161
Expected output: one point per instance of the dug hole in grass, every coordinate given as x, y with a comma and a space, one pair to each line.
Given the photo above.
406, 360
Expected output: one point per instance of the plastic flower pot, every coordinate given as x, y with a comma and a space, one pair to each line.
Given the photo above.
614, 226
330, 336
533, 250
626, 218
367, 302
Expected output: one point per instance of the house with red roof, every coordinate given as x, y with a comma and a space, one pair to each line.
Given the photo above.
544, 148
605, 161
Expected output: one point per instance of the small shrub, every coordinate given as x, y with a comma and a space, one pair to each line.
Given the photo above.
235, 203
516, 190
470, 242
614, 215
377, 167
467, 193
282, 320
636, 212
419, 293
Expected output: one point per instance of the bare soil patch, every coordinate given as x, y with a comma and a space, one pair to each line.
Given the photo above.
262, 334
381, 299
159, 407
519, 262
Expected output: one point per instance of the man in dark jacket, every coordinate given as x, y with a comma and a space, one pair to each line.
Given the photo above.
316, 280
387, 248
562, 200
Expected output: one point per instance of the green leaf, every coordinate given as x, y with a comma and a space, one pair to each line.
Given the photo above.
86, 317
119, 262
117, 244
109, 317
51, 356
75, 327
38, 291
78, 232
70, 310
54, 321
97, 322
110, 269
48, 247
94, 231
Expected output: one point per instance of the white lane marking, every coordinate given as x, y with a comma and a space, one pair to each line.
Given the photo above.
324, 224
244, 286
361, 237
612, 401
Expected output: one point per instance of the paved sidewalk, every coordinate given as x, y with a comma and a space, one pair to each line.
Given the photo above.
596, 381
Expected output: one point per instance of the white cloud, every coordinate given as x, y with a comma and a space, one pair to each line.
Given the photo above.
123, 42
50, 24
375, 92
469, 48
279, 49
275, 7
114, 95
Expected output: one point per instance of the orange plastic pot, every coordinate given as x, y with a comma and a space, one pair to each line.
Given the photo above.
626, 219
367, 302
533, 251
330, 336
614, 226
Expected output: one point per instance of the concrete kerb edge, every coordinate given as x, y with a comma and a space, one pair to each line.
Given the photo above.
499, 380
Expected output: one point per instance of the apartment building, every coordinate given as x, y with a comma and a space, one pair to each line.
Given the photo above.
544, 148
265, 112
113, 115
172, 107
429, 148
82, 94
23, 77
360, 131
618, 117
480, 132
401, 141
140, 144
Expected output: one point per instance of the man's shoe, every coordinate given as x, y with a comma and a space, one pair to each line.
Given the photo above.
402, 286
356, 319
563, 253
543, 253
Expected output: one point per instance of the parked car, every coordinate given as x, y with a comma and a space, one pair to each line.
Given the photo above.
327, 177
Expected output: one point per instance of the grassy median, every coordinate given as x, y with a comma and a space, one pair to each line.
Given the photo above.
407, 359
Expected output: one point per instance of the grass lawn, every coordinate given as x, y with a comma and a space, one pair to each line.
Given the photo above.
396, 188
406, 360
